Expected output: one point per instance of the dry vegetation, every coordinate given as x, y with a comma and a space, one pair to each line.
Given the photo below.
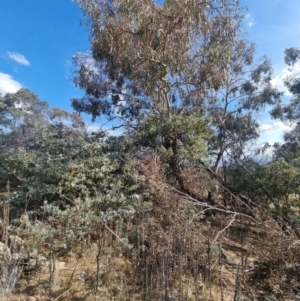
180, 250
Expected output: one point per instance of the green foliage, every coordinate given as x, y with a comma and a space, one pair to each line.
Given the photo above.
185, 137
17, 109
282, 181
290, 111
73, 188
64, 170
22, 116
266, 185
290, 149
244, 179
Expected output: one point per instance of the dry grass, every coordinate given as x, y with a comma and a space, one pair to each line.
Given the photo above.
176, 252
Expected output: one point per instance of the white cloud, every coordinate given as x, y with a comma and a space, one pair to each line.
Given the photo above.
277, 126
8, 84
93, 128
19, 58
278, 80
249, 20
273, 132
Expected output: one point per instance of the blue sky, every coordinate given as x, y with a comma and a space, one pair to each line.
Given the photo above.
274, 25
39, 37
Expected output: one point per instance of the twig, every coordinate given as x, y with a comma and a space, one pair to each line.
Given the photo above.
112, 232
66, 198
204, 204
66, 291
17, 177
231, 222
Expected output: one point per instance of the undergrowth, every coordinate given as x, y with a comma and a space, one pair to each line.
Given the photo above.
167, 248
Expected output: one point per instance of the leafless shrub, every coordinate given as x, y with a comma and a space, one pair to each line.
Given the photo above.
10, 270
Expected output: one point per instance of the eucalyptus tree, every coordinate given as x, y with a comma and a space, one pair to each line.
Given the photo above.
232, 103
22, 115
150, 64
27, 124
290, 111
153, 60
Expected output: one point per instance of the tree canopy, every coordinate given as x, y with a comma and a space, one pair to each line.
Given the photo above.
154, 60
